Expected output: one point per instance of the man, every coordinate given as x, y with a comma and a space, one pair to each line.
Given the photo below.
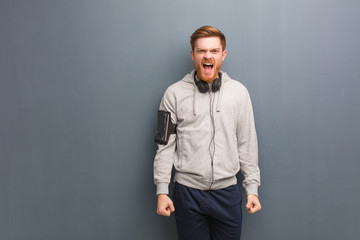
215, 138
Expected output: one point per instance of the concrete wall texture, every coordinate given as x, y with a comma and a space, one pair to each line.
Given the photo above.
81, 81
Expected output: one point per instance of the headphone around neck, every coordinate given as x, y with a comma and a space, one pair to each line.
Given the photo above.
204, 86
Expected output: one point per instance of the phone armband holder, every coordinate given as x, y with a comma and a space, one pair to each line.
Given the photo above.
164, 127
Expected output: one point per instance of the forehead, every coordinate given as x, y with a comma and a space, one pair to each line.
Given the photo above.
208, 43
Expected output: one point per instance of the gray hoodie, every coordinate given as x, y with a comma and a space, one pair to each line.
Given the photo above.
216, 138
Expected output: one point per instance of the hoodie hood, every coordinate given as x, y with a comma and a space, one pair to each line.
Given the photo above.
189, 78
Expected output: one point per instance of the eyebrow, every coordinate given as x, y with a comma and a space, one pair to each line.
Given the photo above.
209, 49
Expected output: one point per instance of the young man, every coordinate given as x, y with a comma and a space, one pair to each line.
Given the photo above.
215, 138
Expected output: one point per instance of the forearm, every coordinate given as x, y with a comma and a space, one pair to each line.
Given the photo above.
163, 164
248, 157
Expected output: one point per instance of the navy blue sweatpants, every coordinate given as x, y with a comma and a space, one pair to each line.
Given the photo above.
208, 214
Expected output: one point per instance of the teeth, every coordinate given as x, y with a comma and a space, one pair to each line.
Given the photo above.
208, 64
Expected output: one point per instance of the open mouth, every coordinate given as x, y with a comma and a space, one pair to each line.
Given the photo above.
208, 67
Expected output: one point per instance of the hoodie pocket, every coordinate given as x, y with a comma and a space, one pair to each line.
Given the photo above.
180, 152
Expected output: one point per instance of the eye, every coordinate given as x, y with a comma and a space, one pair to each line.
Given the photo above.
215, 51
201, 51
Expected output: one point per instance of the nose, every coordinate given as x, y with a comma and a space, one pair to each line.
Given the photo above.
208, 55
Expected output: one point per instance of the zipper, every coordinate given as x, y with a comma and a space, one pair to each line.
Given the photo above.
212, 141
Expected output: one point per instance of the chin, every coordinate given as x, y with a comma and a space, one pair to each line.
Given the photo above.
208, 78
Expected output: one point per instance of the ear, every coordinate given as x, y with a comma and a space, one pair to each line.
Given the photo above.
224, 55
192, 55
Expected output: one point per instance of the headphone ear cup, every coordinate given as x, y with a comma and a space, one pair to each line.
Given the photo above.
216, 85
202, 86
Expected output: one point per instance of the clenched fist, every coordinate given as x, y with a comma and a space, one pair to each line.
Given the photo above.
165, 206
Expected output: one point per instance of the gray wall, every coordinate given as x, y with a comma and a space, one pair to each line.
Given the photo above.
80, 83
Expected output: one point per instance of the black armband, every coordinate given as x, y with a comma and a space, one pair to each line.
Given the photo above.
164, 127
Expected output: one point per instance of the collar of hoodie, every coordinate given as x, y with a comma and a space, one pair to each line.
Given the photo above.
190, 78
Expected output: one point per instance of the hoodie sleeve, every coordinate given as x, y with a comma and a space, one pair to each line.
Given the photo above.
247, 146
164, 158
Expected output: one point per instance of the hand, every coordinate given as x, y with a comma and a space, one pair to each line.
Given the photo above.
253, 204
165, 206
